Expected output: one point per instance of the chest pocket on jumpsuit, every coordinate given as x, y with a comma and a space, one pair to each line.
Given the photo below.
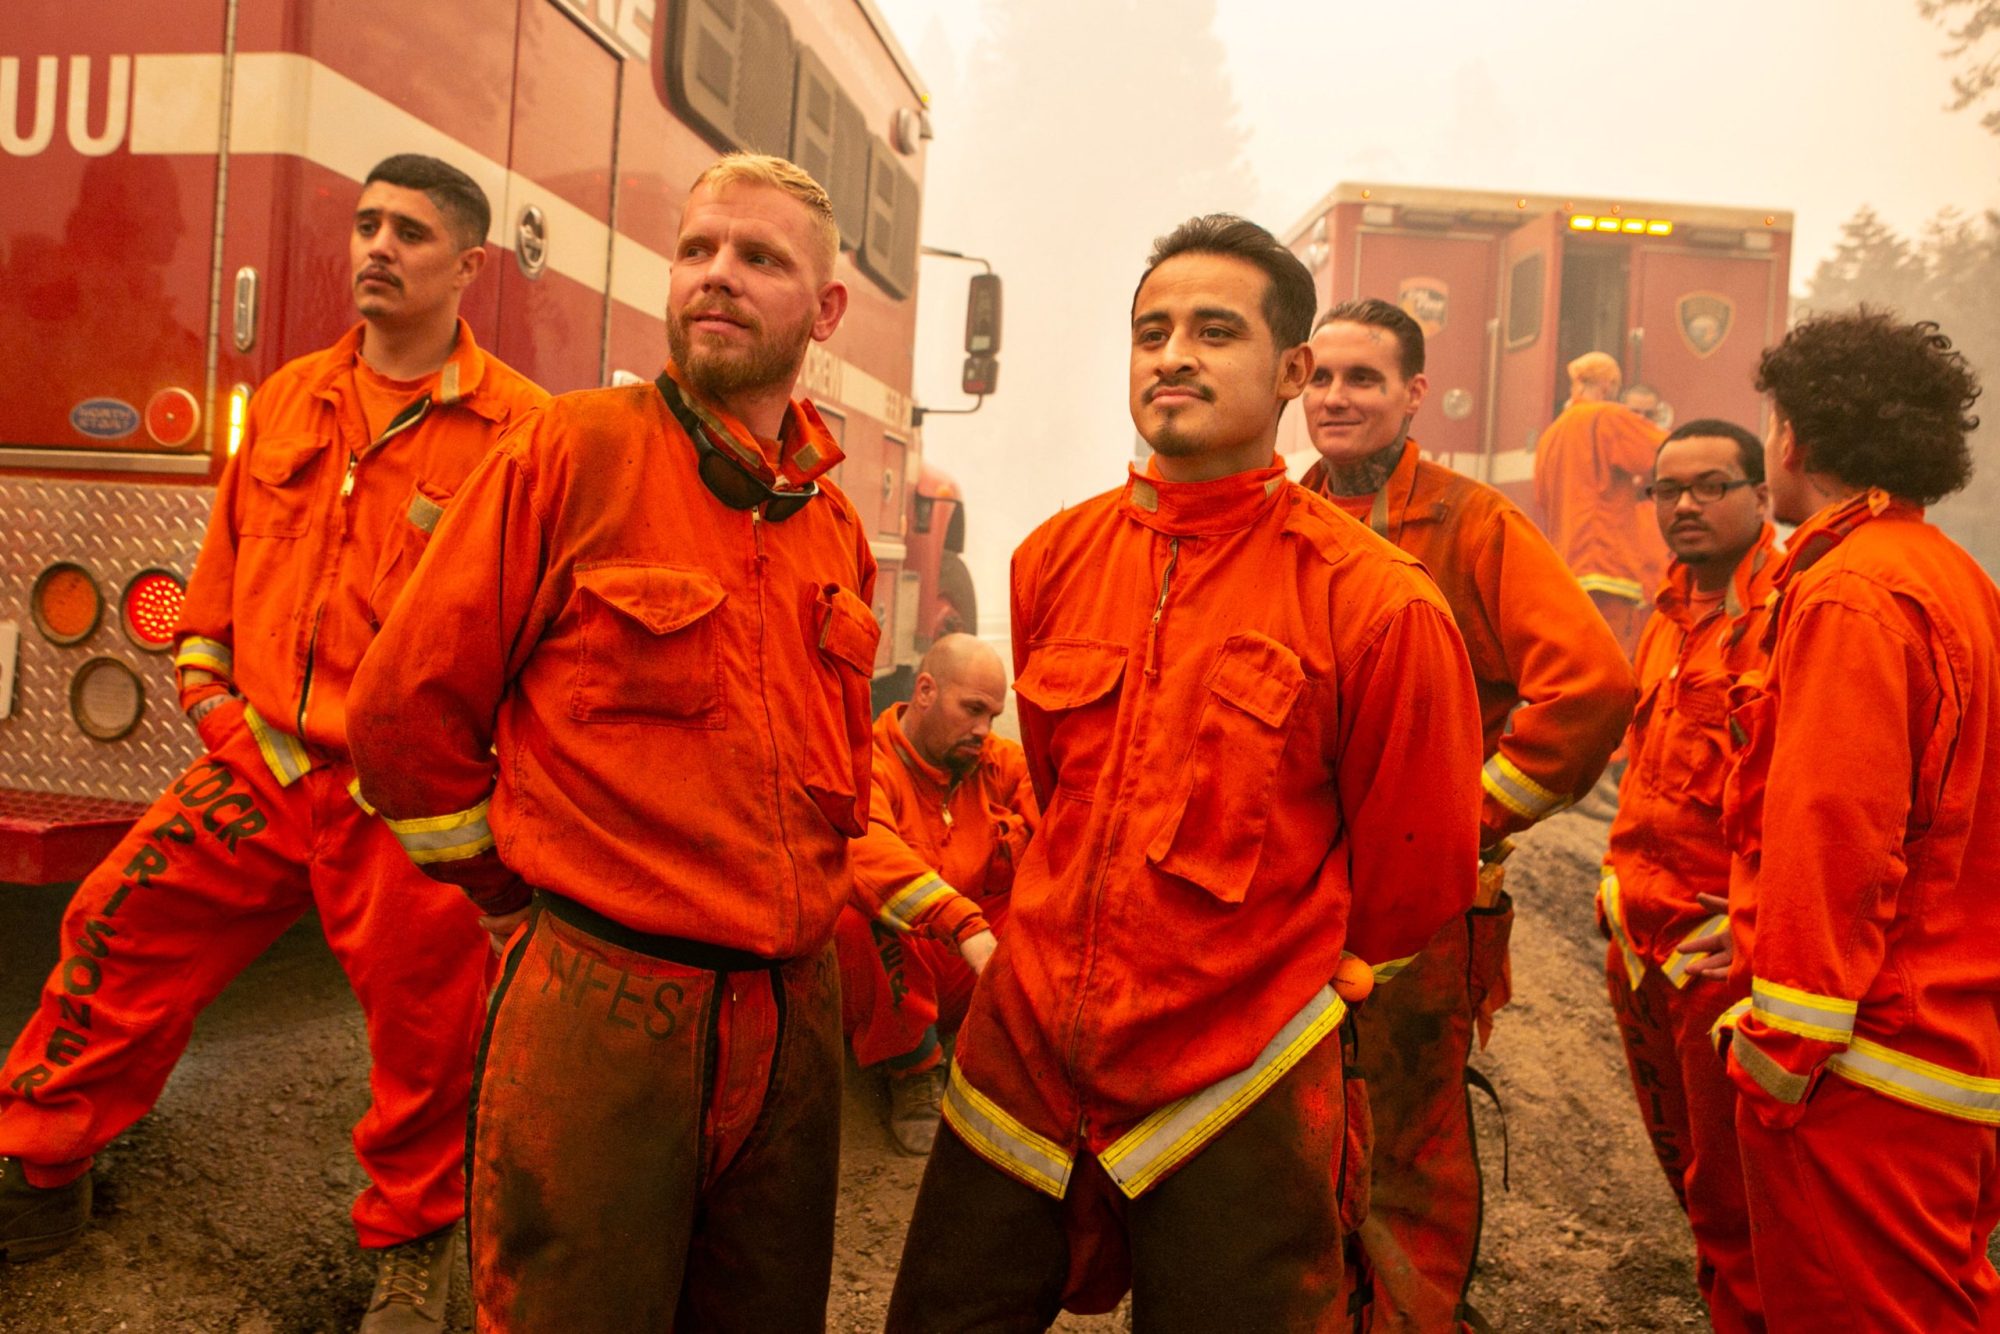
405, 547
278, 500
1074, 683
839, 733
1696, 758
1222, 801
650, 651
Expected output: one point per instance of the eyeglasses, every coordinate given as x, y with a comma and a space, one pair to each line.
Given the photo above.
727, 479
1706, 490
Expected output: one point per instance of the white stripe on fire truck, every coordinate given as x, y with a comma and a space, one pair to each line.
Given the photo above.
292, 105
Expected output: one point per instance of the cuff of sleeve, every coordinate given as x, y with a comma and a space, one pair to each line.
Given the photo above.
970, 924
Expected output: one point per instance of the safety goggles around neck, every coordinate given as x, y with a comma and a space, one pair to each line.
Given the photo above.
725, 477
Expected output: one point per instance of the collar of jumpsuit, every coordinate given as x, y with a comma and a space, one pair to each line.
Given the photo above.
1195, 509
804, 450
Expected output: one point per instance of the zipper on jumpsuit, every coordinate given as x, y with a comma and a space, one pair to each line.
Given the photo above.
770, 723
312, 640
1152, 671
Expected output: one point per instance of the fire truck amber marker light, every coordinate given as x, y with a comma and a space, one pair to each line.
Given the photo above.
151, 608
107, 699
66, 604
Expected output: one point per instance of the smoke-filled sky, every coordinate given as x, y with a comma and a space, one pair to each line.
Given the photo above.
1816, 106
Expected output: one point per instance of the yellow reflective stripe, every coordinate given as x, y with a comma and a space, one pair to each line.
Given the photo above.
1726, 1022
907, 904
354, 791
1824, 1018
1176, 1132
444, 838
1773, 1078
1967, 1097
1506, 784
283, 753
1384, 971
1614, 917
1003, 1141
1629, 589
211, 654
1676, 966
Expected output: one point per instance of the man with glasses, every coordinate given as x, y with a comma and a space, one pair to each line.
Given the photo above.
631, 693
1663, 892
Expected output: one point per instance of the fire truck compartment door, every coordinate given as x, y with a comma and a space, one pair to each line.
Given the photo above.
1706, 318
557, 215
1530, 305
1445, 283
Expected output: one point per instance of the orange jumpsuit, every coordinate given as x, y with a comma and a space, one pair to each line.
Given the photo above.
1865, 812
1238, 782
653, 709
1664, 851
317, 525
1587, 467
935, 867
1554, 694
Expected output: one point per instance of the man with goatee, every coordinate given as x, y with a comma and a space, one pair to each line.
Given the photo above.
627, 712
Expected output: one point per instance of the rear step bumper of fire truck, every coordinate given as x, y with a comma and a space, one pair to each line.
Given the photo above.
48, 838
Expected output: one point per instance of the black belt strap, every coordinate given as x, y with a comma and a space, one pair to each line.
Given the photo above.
673, 949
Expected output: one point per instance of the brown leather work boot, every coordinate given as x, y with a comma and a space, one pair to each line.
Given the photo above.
36, 1222
915, 1104
412, 1282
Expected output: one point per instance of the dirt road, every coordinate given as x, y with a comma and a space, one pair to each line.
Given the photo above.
226, 1209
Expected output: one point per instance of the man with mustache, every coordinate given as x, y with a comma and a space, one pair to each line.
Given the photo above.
1554, 694
1666, 876
348, 459
950, 819
1240, 787
629, 691
1864, 814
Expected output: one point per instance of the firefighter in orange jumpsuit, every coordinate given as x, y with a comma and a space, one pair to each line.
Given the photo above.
950, 819
1554, 694
1239, 781
630, 688
1666, 875
1864, 811
1589, 465
349, 456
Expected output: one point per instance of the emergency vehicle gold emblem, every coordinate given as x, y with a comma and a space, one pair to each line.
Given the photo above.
1427, 301
1705, 318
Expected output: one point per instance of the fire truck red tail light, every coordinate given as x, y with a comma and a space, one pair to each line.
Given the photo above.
66, 604
151, 609
172, 417
107, 699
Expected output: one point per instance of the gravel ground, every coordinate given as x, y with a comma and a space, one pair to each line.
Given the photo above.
225, 1210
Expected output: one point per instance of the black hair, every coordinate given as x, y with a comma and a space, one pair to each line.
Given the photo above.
1376, 313
1290, 297
1749, 449
457, 196
1875, 402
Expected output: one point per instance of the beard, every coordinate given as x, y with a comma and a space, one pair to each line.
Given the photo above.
1176, 443
718, 373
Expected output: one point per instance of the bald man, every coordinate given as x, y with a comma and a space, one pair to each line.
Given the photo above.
951, 815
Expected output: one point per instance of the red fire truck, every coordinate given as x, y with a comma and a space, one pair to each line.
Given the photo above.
1510, 288
180, 177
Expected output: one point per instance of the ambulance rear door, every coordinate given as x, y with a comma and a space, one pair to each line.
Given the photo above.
1700, 317
1530, 306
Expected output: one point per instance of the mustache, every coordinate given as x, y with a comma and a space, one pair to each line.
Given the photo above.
376, 273
1200, 390
721, 306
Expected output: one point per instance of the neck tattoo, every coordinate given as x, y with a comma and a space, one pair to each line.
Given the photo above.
1364, 477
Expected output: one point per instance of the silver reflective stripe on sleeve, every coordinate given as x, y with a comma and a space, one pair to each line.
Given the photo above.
1506, 784
208, 654
1003, 1141
444, 838
1176, 1132
1614, 917
1790, 1010
284, 753
1967, 1097
1676, 966
906, 905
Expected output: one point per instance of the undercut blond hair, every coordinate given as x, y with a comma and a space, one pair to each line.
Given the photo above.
778, 173
1600, 369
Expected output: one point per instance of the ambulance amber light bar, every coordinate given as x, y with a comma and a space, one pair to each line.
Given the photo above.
1590, 222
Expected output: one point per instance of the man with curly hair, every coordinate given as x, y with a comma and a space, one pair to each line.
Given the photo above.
1864, 813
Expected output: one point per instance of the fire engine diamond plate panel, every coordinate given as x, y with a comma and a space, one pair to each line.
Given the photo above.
115, 530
